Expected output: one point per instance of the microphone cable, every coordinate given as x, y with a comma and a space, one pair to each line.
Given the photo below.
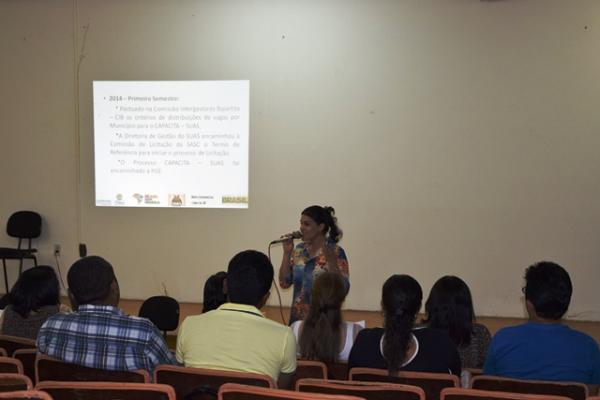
277, 288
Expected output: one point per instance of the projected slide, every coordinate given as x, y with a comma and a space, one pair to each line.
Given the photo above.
171, 143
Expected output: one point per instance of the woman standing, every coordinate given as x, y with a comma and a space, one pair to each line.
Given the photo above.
318, 252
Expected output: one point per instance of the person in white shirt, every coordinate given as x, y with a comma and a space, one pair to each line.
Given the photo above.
323, 335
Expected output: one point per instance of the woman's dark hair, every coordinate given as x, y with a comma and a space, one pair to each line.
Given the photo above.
321, 332
325, 215
35, 288
450, 308
214, 295
401, 301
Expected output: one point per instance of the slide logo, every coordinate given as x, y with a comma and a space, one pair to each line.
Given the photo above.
177, 200
151, 199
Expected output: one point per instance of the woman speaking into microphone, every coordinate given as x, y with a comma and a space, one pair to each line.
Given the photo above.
318, 252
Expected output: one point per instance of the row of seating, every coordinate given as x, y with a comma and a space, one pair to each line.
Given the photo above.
39, 368
186, 380
306, 389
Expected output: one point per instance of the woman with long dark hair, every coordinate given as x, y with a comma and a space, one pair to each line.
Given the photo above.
318, 252
31, 301
323, 335
214, 293
450, 308
398, 345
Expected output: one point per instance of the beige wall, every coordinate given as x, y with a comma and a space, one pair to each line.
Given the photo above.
453, 137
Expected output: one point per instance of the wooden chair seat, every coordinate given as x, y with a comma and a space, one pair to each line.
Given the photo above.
51, 369
365, 390
106, 391
572, 390
431, 383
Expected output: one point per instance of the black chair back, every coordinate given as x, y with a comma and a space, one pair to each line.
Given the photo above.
163, 311
24, 224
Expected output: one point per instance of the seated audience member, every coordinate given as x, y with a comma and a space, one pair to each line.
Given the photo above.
98, 334
236, 336
450, 308
323, 336
214, 293
398, 345
31, 301
544, 348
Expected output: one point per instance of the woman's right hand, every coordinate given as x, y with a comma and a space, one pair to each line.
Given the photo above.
288, 246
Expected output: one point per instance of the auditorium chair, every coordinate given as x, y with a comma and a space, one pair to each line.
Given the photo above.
186, 380
474, 394
9, 365
25, 395
234, 391
51, 369
27, 358
12, 343
431, 383
14, 382
106, 391
572, 390
337, 370
365, 390
309, 369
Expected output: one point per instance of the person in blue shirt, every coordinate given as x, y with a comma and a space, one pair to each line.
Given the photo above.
544, 348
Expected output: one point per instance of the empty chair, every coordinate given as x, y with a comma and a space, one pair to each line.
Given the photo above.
233, 391
163, 311
106, 391
13, 382
431, 383
337, 370
25, 394
309, 369
10, 365
50, 369
27, 358
472, 394
572, 390
186, 380
12, 343
365, 390
21, 225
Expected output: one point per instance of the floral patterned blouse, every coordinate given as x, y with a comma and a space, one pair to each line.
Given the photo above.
303, 271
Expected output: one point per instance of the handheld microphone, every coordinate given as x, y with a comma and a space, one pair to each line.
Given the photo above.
293, 235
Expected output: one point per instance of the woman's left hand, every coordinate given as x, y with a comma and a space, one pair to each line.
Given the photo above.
330, 257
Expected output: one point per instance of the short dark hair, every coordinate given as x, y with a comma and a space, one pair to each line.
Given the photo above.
249, 277
449, 307
35, 288
90, 278
214, 295
548, 288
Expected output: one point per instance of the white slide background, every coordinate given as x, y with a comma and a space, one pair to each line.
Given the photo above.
171, 143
